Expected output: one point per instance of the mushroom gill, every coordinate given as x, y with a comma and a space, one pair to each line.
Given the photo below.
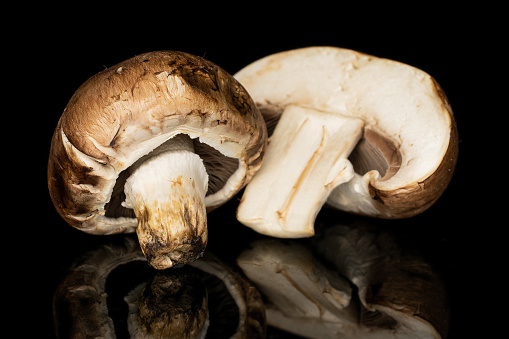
219, 168
376, 152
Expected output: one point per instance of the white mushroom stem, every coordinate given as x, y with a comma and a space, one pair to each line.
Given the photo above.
306, 159
167, 193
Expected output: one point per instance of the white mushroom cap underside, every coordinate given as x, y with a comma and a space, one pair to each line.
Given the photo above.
99, 223
394, 99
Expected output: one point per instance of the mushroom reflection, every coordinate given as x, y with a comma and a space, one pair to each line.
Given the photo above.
112, 293
172, 302
352, 281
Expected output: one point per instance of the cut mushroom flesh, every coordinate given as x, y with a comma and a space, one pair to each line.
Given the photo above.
398, 158
315, 145
312, 153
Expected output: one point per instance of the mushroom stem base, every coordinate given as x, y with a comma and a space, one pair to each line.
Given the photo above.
306, 159
167, 193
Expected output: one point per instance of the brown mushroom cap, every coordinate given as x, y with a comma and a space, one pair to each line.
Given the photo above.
126, 111
408, 147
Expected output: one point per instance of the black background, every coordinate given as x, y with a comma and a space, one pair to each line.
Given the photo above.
50, 53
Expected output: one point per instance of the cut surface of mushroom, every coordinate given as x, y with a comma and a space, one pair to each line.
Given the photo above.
149, 146
403, 153
315, 145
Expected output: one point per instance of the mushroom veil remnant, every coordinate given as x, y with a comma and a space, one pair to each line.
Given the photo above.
150, 145
363, 134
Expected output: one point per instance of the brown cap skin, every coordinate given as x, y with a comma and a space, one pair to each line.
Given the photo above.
129, 104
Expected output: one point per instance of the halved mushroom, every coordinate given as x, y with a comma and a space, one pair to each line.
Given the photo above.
366, 135
149, 145
108, 294
359, 283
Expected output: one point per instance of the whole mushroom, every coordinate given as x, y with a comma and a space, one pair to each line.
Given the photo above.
150, 145
363, 134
